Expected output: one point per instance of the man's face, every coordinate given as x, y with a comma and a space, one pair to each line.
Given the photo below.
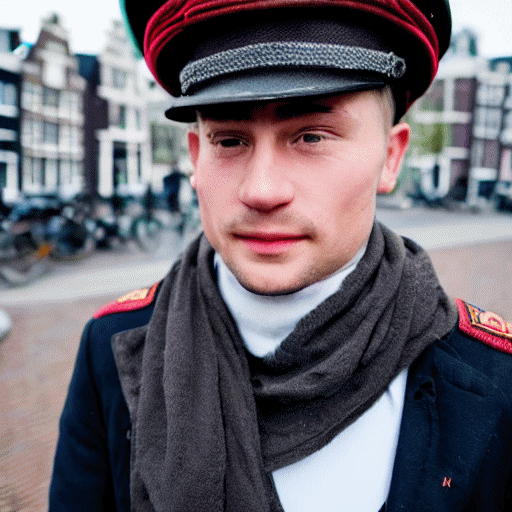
287, 190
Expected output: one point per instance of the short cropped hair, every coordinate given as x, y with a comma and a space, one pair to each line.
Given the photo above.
387, 103
384, 97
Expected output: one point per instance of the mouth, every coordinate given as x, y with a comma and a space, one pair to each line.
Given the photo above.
269, 243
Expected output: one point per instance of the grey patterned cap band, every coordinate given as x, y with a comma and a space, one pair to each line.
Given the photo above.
297, 54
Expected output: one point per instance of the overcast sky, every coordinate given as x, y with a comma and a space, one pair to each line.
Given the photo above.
87, 21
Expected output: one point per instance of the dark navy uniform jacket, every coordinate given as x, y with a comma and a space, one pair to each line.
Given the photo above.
455, 445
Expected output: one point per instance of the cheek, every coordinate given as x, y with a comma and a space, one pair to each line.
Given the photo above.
343, 189
346, 195
364, 171
215, 191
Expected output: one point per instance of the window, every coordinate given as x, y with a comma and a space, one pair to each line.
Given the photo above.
491, 154
27, 170
118, 115
488, 117
65, 101
8, 94
30, 94
76, 101
120, 157
37, 132
3, 174
485, 154
51, 172
65, 171
27, 130
122, 116
5, 41
139, 162
508, 121
506, 165
118, 78
508, 100
76, 172
477, 153
162, 143
50, 97
51, 133
460, 135
65, 136
75, 137
37, 171
491, 95
464, 90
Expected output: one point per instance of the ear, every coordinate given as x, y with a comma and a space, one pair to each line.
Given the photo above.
193, 146
193, 149
397, 147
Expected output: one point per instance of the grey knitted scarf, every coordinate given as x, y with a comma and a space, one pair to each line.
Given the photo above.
210, 423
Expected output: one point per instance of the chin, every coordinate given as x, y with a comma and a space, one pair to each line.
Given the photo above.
265, 286
274, 292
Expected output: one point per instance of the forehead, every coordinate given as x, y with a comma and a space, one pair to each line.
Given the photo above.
282, 110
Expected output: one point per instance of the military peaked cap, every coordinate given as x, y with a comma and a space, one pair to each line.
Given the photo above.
210, 52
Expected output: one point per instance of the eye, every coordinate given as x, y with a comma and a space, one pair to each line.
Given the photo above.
230, 142
311, 138
227, 144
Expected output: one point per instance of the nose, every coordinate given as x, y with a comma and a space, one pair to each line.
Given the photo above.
266, 186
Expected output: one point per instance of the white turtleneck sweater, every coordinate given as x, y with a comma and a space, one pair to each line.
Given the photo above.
353, 472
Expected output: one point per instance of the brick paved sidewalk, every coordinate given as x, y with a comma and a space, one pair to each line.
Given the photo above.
36, 361
481, 274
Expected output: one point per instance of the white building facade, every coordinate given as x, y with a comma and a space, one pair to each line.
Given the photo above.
10, 76
124, 162
52, 116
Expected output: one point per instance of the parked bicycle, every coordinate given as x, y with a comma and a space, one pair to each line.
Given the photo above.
126, 221
72, 231
24, 243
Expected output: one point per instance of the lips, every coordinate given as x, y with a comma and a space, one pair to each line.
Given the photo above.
269, 243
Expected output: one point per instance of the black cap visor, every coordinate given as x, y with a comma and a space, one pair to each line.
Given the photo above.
271, 85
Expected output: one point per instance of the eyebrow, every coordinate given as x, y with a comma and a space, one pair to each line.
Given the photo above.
227, 112
247, 111
301, 108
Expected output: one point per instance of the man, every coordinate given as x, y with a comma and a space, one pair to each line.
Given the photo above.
299, 355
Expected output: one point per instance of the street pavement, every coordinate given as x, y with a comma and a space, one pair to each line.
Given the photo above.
472, 254
128, 269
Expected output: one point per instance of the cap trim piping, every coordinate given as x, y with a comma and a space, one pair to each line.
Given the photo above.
174, 16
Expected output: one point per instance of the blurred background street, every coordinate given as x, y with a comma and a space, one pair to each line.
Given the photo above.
471, 253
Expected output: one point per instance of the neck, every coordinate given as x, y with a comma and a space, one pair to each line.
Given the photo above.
264, 321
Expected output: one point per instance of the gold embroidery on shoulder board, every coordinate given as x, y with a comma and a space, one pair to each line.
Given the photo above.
485, 326
136, 299
134, 295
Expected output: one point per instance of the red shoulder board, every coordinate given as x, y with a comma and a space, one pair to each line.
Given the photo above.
136, 299
485, 326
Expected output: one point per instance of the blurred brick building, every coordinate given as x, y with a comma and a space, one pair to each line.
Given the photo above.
463, 150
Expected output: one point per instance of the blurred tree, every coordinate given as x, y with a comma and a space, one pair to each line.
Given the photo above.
426, 139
